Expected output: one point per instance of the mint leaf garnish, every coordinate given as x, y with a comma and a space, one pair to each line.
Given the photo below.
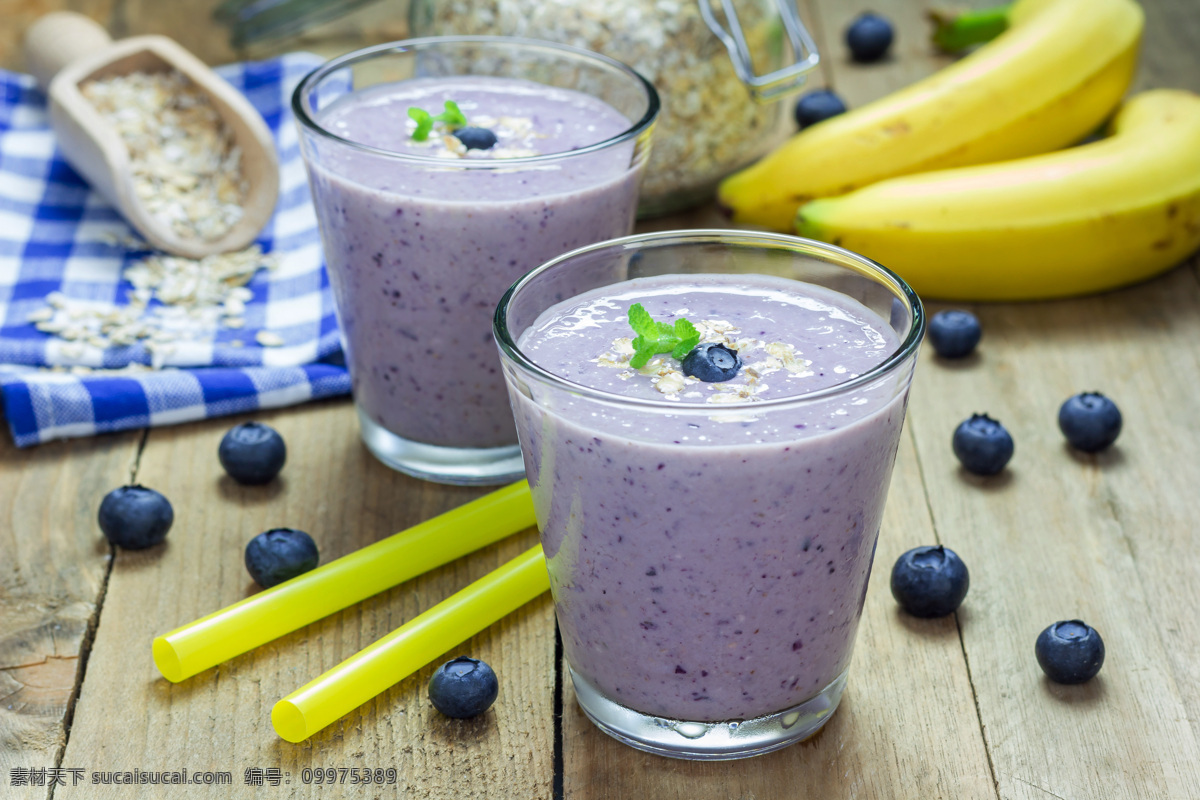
641, 321
659, 337
689, 337
452, 118
424, 123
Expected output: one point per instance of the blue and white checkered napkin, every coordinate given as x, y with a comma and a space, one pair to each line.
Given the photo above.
58, 235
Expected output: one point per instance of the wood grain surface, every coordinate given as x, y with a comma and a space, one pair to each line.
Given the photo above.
951, 708
53, 568
332, 488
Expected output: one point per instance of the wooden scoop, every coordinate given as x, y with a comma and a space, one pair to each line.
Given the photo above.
64, 50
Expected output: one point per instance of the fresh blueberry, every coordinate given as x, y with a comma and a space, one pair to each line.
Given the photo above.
474, 138
1090, 421
1070, 651
869, 37
464, 687
930, 581
954, 334
252, 453
982, 445
280, 554
712, 363
817, 106
134, 517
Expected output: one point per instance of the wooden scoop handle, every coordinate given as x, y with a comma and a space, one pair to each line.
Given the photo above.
57, 39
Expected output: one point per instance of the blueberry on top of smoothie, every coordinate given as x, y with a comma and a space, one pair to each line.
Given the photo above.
475, 138
712, 363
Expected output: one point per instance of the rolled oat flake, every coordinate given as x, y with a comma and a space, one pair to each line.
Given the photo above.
187, 170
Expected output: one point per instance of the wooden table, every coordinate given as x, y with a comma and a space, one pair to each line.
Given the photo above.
950, 708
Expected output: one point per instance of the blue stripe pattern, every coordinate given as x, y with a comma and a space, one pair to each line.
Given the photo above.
58, 235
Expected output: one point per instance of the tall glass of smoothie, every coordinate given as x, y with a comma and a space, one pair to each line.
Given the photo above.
709, 492
442, 170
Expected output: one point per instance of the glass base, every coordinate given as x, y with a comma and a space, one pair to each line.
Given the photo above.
459, 466
709, 741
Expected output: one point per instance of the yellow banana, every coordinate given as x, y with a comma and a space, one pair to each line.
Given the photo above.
1081, 220
1049, 80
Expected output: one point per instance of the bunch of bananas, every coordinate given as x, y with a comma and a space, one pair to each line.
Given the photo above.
1031, 223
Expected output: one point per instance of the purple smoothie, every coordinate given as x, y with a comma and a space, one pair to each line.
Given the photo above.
420, 252
711, 564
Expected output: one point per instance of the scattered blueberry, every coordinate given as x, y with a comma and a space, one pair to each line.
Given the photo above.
474, 138
1070, 651
280, 554
134, 517
869, 37
464, 687
930, 581
1090, 421
816, 106
252, 453
712, 363
982, 445
954, 334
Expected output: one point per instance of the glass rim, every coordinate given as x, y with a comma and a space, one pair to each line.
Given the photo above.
304, 117
904, 351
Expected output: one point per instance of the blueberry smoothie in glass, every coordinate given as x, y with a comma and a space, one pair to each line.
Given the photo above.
433, 194
709, 473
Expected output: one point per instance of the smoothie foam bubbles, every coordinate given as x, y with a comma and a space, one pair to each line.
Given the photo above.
709, 544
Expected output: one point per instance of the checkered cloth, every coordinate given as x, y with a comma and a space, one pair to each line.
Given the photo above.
58, 235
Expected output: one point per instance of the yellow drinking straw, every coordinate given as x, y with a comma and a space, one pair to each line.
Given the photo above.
410, 647
306, 598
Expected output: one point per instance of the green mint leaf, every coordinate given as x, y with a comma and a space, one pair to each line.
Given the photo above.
452, 116
685, 347
684, 329
659, 337
641, 322
688, 337
644, 348
424, 123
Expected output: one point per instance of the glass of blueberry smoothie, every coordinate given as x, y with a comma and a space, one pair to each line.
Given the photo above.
709, 421
443, 169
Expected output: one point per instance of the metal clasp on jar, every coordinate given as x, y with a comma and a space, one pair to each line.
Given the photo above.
770, 86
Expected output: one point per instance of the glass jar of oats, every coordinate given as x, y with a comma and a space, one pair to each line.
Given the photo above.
719, 67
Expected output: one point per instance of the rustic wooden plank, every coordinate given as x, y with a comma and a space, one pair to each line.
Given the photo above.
1170, 57
907, 718
1060, 536
53, 566
130, 717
